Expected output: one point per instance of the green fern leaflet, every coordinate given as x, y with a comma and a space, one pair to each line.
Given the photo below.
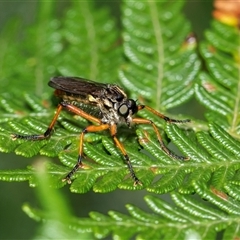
155, 58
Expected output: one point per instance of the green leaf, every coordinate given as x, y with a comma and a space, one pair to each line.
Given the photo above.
32, 115
158, 65
161, 65
219, 88
57, 213
34, 55
215, 153
186, 217
87, 55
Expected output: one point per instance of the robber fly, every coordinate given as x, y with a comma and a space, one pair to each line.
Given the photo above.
111, 107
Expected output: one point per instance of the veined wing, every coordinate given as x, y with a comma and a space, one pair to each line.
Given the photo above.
77, 86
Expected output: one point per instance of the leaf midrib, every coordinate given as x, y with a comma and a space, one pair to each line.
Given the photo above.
160, 53
236, 109
91, 35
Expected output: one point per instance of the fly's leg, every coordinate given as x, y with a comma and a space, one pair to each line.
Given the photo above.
92, 128
167, 119
113, 131
163, 146
45, 135
62, 105
102, 127
78, 165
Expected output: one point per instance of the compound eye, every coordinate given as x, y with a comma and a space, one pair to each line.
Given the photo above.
133, 106
123, 110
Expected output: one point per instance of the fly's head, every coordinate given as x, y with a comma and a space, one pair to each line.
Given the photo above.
117, 107
126, 109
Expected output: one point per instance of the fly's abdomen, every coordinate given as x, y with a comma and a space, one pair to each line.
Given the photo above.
70, 97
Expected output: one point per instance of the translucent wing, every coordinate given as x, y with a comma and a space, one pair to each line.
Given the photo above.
77, 86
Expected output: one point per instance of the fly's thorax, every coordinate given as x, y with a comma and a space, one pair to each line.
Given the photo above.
108, 108
115, 93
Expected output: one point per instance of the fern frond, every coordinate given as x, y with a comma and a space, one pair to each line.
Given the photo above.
187, 218
93, 49
33, 55
161, 65
9, 54
219, 89
216, 153
214, 156
104, 57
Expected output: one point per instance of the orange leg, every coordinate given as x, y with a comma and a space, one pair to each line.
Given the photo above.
78, 165
113, 131
79, 112
62, 105
167, 119
41, 136
163, 146
91, 128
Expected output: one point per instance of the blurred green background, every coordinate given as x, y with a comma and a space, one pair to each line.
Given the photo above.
14, 224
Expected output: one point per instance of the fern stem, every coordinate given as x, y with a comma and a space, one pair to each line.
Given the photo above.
235, 118
91, 33
44, 16
160, 52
